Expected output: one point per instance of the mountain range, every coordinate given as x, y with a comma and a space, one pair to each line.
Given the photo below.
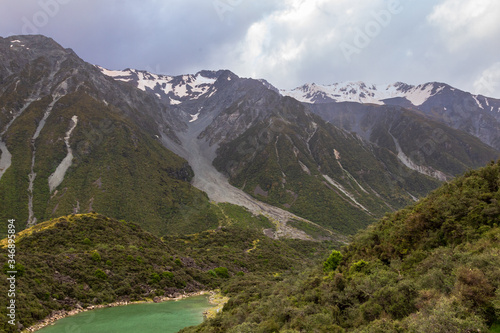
129, 185
318, 161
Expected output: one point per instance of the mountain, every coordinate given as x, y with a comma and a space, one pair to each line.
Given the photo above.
274, 150
360, 92
424, 145
171, 89
77, 261
227, 169
475, 114
430, 267
75, 140
157, 149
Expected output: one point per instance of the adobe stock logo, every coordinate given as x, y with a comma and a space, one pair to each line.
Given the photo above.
48, 9
372, 29
223, 7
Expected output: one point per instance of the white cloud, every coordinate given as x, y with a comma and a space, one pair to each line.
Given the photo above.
462, 22
299, 33
488, 83
287, 42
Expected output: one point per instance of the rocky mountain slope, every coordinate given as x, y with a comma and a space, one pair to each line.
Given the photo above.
422, 144
76, 137
74, 140
475, 114
277, 152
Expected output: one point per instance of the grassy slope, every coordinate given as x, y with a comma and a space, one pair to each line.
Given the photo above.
91, 259
117, 170
431, 267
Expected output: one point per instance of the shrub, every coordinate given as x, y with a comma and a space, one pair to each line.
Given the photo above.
333, 261
222, 272
154, 278
96, 256
358, 266
100, 274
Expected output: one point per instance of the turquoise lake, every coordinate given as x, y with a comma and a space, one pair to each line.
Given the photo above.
166, 317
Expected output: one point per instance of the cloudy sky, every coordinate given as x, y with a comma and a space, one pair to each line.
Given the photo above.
287, 42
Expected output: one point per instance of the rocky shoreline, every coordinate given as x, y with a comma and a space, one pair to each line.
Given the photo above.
56, 315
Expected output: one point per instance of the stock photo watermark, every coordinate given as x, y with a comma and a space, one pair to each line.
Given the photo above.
486, 85
254, 144
48, 9
11, 272
364, 35
222, 8
417, 159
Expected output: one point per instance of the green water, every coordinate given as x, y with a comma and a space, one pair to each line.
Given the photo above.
166, 317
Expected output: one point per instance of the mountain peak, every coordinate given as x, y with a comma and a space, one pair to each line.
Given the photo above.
362, 92
172, 89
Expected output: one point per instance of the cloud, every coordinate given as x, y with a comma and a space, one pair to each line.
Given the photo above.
287, 42
488, 83
295, 39
464, 22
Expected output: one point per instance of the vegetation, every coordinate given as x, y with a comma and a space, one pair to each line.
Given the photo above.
284, 164
431, 267
78, 260
118, 169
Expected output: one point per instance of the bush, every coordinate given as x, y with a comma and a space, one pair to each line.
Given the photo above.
154, 278
359, 266
100, 274
96, 256
222, 272
333, 261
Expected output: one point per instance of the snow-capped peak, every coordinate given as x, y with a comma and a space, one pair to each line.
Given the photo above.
176, 89
363, 93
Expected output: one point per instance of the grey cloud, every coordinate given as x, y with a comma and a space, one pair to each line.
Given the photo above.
178, 36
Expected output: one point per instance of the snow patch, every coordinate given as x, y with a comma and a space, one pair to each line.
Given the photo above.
199, 80
182, 87
195, 117
113, 73
477, 102
57, 177
418, 97
362, 93
174, 102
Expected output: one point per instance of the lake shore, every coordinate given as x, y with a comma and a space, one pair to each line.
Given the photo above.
217, 300
56, 315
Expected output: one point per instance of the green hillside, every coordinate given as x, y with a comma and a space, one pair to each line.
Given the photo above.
117, 169
283, 160
80, 260
431, 267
